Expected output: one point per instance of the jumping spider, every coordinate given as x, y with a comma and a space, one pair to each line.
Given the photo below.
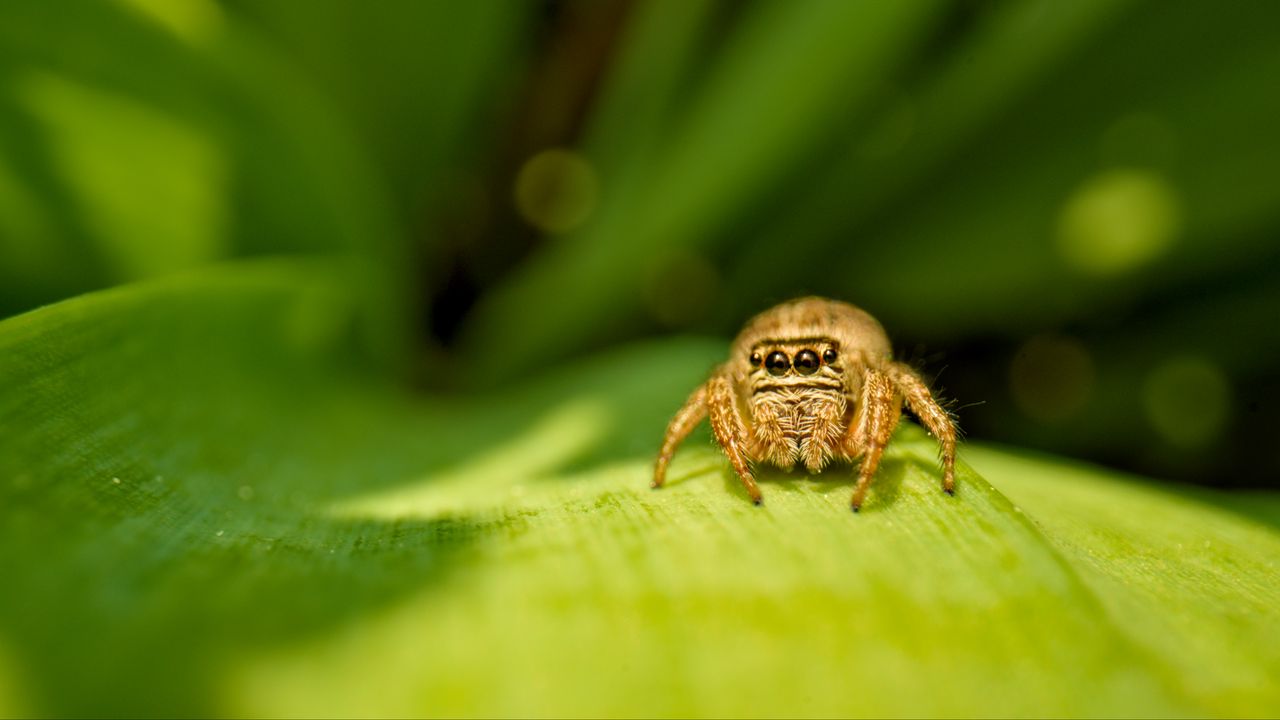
810, 380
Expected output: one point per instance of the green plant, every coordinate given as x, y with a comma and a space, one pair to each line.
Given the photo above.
239, 477
206, 510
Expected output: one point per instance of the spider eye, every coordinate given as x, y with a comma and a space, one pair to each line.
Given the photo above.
829, 355
755, 359
806, 362
777, 363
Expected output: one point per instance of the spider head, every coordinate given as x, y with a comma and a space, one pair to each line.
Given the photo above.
800, 357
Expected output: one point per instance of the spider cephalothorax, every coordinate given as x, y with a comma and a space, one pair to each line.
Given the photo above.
809, 381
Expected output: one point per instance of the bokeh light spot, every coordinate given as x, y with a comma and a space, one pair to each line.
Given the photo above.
556, 190
1187, 400
1118, 221
1051, 377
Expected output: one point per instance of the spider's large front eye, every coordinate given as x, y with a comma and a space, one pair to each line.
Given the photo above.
777, 363
807, 362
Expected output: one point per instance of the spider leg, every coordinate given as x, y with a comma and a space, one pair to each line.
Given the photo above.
685, 420
936, 420
854, 442
855, 437
879, 412
730, 430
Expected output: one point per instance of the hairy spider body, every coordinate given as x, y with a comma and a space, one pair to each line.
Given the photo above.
810, 381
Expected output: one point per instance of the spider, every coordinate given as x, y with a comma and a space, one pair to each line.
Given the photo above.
809, 381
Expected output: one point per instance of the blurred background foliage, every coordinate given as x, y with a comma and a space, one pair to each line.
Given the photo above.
1066, 213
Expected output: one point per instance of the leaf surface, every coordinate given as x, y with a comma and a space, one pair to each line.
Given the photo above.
206, 508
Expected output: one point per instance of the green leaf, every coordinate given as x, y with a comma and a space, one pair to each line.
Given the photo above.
1108, 178
418, 80
783, 82
1191, 574
141, 143
206, 508
919, 128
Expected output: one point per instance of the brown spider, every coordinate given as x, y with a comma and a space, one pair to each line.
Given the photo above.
810, 380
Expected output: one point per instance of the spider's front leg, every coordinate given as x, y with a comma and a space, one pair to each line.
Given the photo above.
729, 428
932, 416
694, 409
877, 417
